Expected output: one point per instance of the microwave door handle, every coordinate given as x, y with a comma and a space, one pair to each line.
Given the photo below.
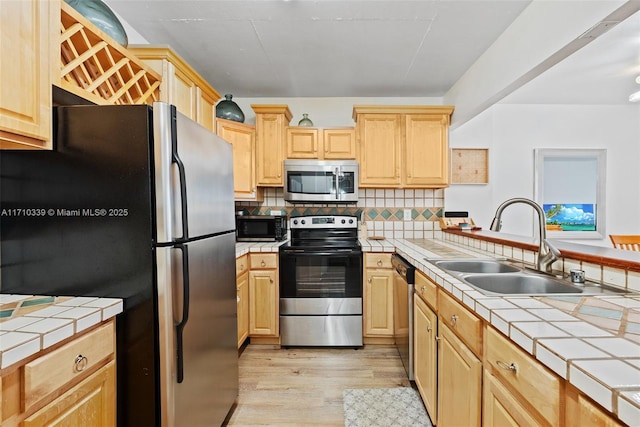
336, 175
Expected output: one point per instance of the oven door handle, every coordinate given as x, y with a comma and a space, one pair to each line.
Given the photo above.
302, 252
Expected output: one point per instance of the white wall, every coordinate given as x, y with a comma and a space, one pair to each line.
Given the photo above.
511, 132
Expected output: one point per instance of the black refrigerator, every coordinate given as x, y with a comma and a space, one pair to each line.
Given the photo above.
135, 202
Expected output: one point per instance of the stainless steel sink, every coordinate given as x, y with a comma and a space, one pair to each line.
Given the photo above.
475, 266
499, 277
520, 283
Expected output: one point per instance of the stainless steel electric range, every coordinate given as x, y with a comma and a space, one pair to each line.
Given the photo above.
321, 282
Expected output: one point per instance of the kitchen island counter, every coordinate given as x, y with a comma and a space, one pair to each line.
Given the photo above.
593, 342
30, 323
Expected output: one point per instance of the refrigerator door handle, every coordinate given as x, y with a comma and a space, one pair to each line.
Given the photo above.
175, 158
185, 312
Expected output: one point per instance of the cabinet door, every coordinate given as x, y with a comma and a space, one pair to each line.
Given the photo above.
581, 411
242, 137
205, 109
263, 302
302, 143
459, 382
500, 407
378, 302
30, 51
425, 355
90, 403
339, 143
242, 288
270, 137
379, 138
426, 150
182, 92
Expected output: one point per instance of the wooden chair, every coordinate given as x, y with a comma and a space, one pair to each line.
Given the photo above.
627, 242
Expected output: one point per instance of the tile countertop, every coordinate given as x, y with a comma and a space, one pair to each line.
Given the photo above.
592, 341
30, 323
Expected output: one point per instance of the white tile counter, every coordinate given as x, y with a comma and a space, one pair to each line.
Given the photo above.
30, 323
591, 341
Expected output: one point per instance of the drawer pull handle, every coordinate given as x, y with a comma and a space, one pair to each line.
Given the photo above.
80, 363
262, 263
507, 366
429, 328
379, 263
454, 320
422, 289
241, 266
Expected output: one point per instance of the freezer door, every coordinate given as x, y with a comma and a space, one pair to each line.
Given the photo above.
197, 291
194, 178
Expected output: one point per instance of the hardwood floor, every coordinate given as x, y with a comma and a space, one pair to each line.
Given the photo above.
303, 386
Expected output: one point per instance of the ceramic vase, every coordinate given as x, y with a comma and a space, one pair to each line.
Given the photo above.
99, 14
305, 121
227, 109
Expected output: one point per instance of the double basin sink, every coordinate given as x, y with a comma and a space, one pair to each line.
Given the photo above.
495, 277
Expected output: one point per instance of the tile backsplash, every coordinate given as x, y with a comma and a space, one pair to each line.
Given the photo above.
382, 210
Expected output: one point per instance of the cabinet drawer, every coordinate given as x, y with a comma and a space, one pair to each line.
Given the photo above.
426, 289
377, 260
242, 264
461, 321
534, 382
263, 261
52, 371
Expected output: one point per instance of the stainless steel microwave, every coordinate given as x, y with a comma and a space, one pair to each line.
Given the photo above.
325, 181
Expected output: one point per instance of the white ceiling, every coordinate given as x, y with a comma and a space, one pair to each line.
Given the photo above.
370, 48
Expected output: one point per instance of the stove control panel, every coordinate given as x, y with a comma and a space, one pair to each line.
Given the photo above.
323, 221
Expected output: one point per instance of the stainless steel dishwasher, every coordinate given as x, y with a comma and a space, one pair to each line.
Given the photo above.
403, 290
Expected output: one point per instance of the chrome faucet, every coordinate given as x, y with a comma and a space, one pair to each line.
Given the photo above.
547, 253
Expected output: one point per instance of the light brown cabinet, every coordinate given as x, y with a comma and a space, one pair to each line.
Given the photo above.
322, 144
535, 387
378, 298
403, 146
73, 384
181, 85
30, 52
459, 381
242, 297
263, 295
271, 125
426, 355
242, 137
581, 411
501, 408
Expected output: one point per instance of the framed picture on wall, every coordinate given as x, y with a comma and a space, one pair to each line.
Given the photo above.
569, 184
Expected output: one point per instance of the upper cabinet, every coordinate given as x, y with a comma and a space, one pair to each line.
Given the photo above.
29, 45
271, 127
403, 146
323, 144
242, 137
181, 85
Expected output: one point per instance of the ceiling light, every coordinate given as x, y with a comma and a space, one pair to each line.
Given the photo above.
634, 97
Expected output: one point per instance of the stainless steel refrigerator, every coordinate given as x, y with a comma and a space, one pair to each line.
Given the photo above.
135, 202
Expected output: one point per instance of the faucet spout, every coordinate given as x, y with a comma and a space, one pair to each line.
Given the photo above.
547, 253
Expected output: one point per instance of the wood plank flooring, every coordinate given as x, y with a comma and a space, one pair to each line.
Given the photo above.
303, 386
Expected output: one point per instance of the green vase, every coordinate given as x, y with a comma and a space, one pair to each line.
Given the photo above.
99, 14
227, 109
305, 121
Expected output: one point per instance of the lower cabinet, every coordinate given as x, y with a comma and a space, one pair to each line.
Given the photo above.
378, 297
581, 411
459, 381
425, 368
500, 408
71, 385
263, 295
90, 403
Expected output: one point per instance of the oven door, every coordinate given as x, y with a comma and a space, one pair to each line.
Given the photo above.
330, 273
